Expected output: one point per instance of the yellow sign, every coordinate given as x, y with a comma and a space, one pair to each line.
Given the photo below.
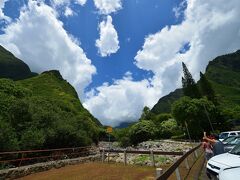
109, 129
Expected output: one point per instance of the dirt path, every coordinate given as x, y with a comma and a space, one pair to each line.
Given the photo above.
95, 171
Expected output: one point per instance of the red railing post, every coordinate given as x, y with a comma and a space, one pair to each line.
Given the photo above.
21, 160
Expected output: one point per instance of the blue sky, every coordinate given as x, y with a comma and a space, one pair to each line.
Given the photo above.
120, 55
133, 22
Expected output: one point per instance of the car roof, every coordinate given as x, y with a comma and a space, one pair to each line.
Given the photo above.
229, 132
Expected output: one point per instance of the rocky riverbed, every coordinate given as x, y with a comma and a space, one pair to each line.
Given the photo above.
138, 159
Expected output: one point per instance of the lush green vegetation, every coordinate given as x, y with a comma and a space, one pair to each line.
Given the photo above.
198, 115
142, 131
43, 111
158, 127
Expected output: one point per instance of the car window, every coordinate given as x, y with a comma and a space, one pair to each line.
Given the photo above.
228, 139
223, 135
232, 134
235, 141
236, 150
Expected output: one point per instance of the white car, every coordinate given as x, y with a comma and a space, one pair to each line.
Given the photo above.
230, 174
226, 134
219, 163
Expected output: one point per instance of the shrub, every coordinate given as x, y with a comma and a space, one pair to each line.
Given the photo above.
142, 131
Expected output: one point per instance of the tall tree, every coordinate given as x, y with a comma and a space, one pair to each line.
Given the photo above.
146, 114
189, 86
206, 89
191, 112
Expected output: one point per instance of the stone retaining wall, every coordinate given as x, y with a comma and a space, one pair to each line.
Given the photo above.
18, 172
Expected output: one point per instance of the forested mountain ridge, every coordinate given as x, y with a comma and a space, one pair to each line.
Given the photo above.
12, 67
43, 111
50, 84
224, 74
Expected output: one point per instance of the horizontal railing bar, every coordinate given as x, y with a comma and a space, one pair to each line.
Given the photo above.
42, 150
40, 157
144, 152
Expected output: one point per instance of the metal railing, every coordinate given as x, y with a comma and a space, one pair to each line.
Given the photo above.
174, 167
160, 174
19, 158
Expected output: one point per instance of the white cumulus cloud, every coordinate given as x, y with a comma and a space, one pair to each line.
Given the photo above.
122, 101
68, 12
108, 42
63, 7
39, 38
60, 2
108, 6
81, 2
67, 2
210, 28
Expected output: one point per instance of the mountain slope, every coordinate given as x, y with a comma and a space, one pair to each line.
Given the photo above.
224, 74
51, 85
164, 103
12, 67
43, 111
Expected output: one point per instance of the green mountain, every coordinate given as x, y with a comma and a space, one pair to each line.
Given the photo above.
12, 67
224, 74
43, 111
164, 104
51, 85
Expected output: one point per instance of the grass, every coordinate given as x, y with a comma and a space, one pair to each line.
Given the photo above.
141, 158
158, 159
161, 159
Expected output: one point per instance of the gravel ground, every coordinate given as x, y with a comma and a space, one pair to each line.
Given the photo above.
145, 160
